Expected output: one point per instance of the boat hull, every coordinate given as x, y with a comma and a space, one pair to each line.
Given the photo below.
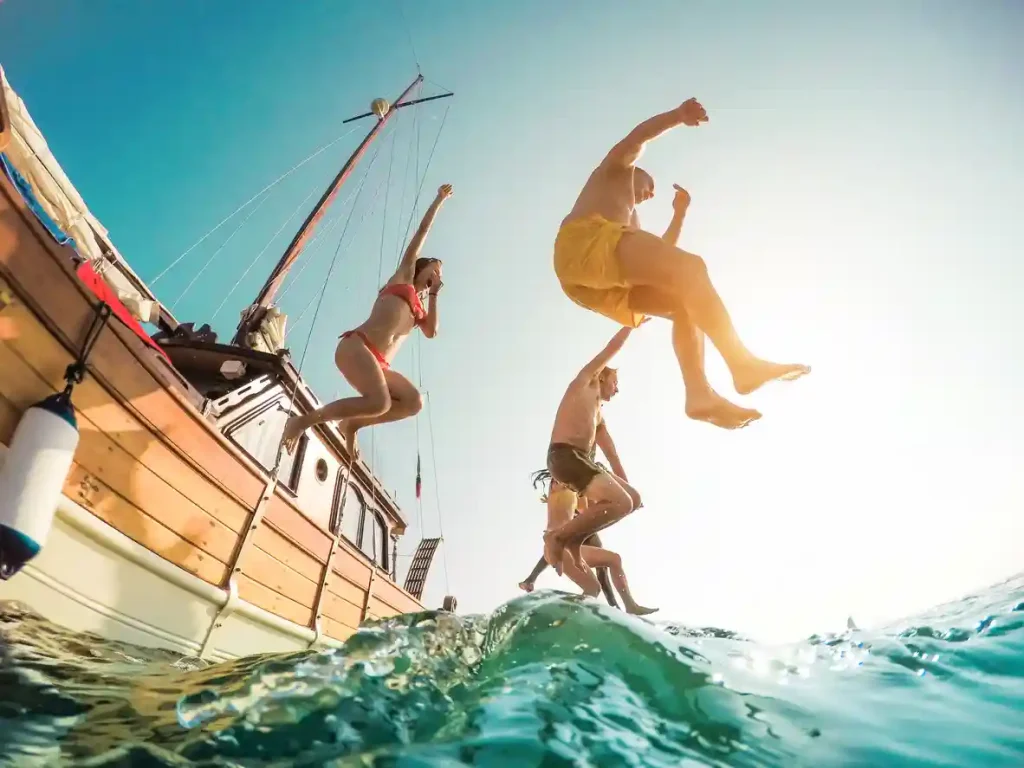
167, 533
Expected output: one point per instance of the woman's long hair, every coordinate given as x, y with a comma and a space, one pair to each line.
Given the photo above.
544, 476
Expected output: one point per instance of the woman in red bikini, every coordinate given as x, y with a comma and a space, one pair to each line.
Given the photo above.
364, 354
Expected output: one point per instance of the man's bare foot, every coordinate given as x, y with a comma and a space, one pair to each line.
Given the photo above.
292, 431
526, 586
348, 431
715, 409
639, 610
553, 549
753, 375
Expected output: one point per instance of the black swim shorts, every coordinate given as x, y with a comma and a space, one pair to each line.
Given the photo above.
571, 466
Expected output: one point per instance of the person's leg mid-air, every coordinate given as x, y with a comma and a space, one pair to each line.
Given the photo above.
598, 557
530, 581
702, 402
602, 256
557, 504
365, 370
646, 260
608, 501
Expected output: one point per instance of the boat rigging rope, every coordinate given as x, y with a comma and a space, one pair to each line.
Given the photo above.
234, 213
315, 242
220, 248
253, 261
437, 492
363, 218
423, 178
405, 175
408, 33
319, 303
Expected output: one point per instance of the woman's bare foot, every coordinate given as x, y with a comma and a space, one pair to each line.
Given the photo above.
292, 431
348, 431
526, 586
554, 548
711, 407
639, 610
752, 375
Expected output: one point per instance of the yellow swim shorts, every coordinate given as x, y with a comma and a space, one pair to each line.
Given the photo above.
588, 268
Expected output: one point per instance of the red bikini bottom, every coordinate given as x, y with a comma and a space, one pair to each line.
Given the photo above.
369, 345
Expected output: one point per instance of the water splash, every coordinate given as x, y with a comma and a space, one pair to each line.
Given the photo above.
547, 679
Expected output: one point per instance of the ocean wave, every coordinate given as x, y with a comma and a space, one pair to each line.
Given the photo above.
548, 679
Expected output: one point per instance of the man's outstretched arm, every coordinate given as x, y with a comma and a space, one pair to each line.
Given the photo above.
595, 366
628, 151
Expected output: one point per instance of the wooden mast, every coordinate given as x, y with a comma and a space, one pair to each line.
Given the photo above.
256, 311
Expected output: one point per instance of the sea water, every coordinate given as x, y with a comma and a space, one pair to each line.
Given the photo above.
546, 680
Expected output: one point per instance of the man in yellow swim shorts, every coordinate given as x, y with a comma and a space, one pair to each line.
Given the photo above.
606, 263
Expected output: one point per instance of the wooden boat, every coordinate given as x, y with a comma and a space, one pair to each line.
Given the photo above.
174, 527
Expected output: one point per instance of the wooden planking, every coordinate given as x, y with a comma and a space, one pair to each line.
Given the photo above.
91, 493
269, 600
346, 590
9, 416
352, 564
389, 599
48, 358
291, 523
119, 471
336, 629
333, 607
272, 573
119, 359
281, 548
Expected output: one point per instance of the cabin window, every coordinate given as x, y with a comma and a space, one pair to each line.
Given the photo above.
260, 437
321, 470
352, 516
375, 539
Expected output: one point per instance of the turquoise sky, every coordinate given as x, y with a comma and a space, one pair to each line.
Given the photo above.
857, 194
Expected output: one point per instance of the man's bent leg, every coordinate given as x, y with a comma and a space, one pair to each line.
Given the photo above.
647, 260
603, 558
602, 573
582, 575
702, 402
608, 502
606, 586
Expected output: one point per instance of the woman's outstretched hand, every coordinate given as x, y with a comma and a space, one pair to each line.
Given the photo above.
445, 191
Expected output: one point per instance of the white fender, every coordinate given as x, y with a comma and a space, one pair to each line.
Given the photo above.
33, 473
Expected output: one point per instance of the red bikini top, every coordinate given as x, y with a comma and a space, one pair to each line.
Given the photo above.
407, 292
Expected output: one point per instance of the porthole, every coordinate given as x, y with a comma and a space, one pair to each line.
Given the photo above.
321, 470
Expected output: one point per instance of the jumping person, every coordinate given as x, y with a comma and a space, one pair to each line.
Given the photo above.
578, 429
555, 495
561, 501
606, 263
364, 354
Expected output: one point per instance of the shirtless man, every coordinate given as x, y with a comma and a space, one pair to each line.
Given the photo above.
606, 263
561, 502
578, 427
